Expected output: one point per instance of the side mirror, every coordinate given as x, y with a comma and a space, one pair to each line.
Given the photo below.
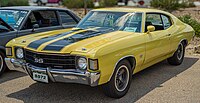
35, 26
150, 28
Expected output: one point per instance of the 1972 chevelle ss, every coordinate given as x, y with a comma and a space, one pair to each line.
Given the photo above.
106, 48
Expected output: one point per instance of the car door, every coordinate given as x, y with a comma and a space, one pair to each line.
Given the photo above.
158, 41
41, 21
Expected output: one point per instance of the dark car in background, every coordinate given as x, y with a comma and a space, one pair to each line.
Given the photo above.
25, 20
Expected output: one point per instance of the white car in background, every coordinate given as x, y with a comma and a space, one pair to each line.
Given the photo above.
139, 3
44, 2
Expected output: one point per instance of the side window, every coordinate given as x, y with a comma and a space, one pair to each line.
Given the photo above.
66, 18
133, 23
42, 18
155, 20
166, 21
30, 22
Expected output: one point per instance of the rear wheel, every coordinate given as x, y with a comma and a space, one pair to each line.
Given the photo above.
178, 56
2, 63
120, 81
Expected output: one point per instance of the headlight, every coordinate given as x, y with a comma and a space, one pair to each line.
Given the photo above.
8, 51
82, 63
19, 53
93, 64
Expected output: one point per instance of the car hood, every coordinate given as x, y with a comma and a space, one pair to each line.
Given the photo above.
2, 22
77, 40
23, 41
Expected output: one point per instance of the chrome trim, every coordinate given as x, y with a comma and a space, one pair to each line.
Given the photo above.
66, 76
15, 64
1, 63
56, 75
50, 76
118, 62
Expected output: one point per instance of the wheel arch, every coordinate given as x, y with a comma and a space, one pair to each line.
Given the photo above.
184, 41
131, 59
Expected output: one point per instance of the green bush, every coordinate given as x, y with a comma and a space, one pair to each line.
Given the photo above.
108, 3
77, 3
170, 5
192, 22
4, 3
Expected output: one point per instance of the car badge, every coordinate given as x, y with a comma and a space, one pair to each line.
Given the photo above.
38, 60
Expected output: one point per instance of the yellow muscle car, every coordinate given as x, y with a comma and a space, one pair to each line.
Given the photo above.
106, 48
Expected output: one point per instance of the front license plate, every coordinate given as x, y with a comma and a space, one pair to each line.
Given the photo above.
40, 77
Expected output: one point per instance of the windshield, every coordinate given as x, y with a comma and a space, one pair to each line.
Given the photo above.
13, 18
122, 21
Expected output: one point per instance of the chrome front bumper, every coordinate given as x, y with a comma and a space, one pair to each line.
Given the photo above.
56, 75
14, 64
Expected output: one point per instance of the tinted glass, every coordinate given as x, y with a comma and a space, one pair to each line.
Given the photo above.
133, 24
13, 18
42, 18
166, 21
123, 21
3, 29
66, 18
155, 20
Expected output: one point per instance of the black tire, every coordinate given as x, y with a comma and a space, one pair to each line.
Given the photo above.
112, 88
178, 56
39, 3
2, 63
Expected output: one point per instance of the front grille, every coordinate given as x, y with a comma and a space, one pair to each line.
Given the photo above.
51, 60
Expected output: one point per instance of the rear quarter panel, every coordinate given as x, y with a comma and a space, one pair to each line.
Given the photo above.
181, 32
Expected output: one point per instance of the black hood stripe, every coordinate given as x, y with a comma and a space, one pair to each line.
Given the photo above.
36, 44
60, 44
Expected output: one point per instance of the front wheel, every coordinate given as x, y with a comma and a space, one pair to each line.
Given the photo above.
178, 56
120, 81
2, 63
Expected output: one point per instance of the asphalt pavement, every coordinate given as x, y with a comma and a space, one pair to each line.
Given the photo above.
157, 84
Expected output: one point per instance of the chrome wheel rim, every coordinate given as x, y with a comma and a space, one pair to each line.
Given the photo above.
180, 52
1, 63
121, 78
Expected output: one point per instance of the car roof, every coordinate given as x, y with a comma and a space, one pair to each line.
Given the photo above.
114, 9
30, 8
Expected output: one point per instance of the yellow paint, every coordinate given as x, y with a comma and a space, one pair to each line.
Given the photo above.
147, 48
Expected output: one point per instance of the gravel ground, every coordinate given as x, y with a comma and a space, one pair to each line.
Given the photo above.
159, 83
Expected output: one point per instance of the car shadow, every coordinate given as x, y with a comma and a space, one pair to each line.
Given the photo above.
142, 83
10, 75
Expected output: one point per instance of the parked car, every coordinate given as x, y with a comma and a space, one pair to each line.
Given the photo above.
139, 3
20, 21
106, 48
44, 2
